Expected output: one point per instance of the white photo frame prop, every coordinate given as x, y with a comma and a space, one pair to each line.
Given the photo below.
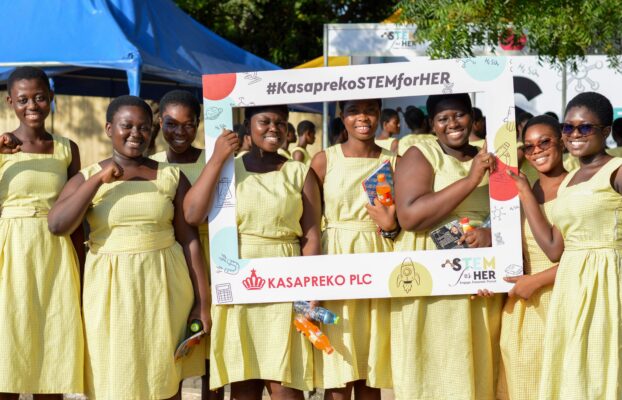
371, 275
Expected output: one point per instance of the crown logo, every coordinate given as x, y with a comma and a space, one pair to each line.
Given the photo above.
253, 282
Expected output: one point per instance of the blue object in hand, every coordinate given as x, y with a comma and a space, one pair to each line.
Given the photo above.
319, 314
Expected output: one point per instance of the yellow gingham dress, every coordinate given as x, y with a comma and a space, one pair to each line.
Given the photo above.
41, 342
522, 327
385, 143
445, 347
259, 341
408, 141
137, 289
307, 157
582, 345
362, 338
192, 365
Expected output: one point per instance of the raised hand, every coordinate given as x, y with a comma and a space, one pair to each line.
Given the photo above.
111, 172
10, 144
482, 163
226, 144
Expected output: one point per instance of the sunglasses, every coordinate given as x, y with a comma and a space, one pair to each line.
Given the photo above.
543, 145
583, 129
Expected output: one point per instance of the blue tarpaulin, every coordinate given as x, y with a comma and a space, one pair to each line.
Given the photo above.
134, 40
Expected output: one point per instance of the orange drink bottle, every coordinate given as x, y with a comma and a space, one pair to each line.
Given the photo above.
466, 224
383, 191
313, 333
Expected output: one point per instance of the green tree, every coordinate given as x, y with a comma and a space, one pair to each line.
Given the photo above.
558, 31
285, 32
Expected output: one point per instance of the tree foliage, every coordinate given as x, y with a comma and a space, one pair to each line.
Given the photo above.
285, 32
558, 31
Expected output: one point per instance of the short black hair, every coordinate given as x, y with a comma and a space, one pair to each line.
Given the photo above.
27, 73
182, 98
552, 114
387, 114
433, 102
127, 101
616, 131
414, 117
250, 111
543, 120
596, 103
477, 114
304, 127
240, 130
291, 128
342, 103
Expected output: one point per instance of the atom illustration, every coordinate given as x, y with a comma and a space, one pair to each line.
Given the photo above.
497, 213
581, 78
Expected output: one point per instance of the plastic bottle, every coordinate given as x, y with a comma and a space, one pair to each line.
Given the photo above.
196, 326
319, 314
466, 224
383, 190
313, 333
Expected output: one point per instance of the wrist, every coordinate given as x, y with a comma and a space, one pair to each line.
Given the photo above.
390, 234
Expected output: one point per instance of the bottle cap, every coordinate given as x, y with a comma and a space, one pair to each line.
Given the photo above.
196, 326
381, 178
465, 220
336, 321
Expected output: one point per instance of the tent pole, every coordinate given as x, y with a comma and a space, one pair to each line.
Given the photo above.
325, 104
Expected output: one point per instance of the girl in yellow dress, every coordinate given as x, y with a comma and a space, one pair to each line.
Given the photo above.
278, 213
41, 342
179, 120
390, 126
144, 276
306, 136
444, 347
361, 357
525, 311
582, 351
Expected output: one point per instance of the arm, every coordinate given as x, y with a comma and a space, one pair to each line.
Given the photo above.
68, 212
526, 285
188, 238
311, 215
298, 156
198, 201
318, 165
77, 237
547, 236
395, 145
418, 206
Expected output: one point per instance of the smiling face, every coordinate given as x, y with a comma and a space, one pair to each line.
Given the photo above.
585, 145
129, 131
452, 123
268, 130
360, 118
543, 148
31, 100
179, 127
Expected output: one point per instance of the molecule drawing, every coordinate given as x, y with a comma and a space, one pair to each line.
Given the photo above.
497, 213
582, 78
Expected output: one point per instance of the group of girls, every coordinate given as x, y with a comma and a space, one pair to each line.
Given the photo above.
145, 273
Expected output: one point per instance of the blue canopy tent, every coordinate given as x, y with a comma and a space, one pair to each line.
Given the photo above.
104, 47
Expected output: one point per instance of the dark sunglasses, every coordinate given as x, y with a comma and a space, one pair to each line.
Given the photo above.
543, 145
584, 129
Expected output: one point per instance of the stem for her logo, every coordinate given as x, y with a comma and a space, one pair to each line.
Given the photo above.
472, 269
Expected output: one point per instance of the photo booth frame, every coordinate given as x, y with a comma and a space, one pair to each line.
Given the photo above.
370, 275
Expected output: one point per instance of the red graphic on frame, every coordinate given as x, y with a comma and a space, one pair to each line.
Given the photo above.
502, 187
219, 86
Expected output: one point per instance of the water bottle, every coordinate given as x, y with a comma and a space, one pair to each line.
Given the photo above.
313, 333
319, 314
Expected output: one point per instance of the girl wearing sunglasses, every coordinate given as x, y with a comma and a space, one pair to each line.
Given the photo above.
524, 313
581, 341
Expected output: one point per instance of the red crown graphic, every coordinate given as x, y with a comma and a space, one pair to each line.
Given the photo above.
253, 282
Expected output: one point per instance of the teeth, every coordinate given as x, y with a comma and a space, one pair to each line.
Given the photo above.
271, 139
